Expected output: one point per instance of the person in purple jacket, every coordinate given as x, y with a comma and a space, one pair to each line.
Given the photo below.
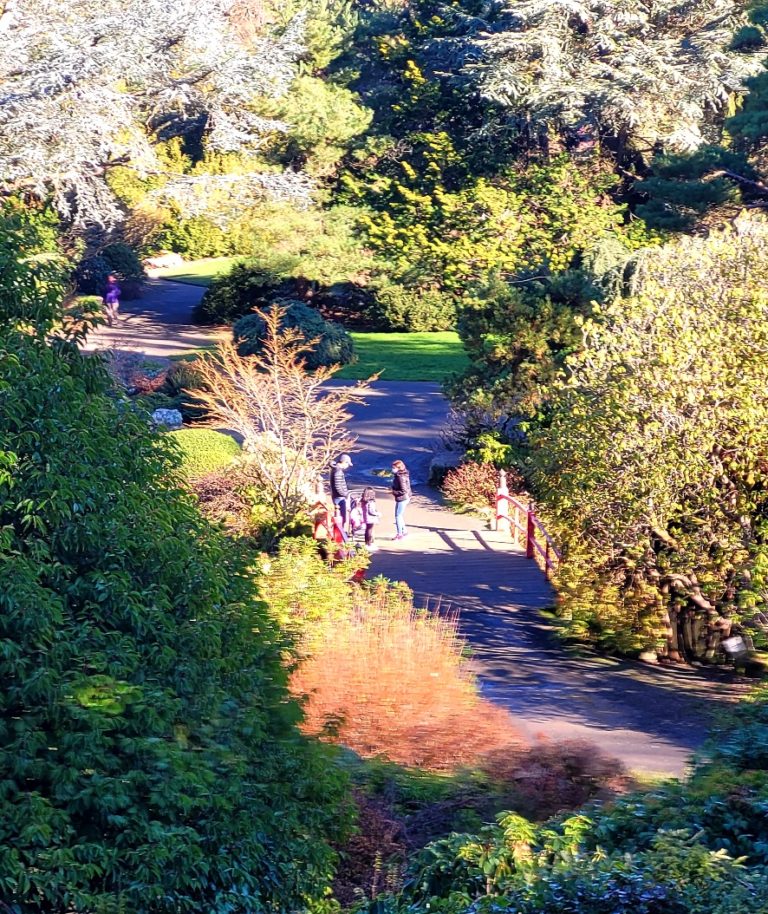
111, 298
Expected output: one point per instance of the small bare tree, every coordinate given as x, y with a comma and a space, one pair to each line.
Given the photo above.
291, 423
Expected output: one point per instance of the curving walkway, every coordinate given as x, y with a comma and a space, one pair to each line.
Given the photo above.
651, 718
159, 324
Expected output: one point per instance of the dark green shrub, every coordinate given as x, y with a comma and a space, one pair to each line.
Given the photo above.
245, 287
153, 401
124, 261
149, 756
334, 343
204, 451
398, 307
748, 38
90, 275
180, 383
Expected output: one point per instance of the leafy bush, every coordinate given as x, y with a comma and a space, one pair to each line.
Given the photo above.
194, 237
489, 446
204, 451
472, 484
90, 275
300, 588
334, 345
696, 847
145, 730
181, 382
398, 307
245, 287
124, 261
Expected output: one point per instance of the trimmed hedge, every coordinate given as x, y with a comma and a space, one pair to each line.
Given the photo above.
204, 451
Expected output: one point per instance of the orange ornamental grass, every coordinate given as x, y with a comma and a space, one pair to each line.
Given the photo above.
390, 680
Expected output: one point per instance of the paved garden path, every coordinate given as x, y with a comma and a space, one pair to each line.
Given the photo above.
652, 718
159, 324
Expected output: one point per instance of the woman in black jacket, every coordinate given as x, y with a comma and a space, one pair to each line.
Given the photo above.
401, 489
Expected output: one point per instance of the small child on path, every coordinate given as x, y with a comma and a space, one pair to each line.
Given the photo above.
371, 517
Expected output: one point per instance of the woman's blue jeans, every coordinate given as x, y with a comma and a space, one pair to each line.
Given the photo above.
400, 507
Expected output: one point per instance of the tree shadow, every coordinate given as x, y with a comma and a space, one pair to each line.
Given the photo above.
523, 666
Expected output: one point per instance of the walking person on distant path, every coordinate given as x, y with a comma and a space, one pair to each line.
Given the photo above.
401, 489
339, 487
111, 298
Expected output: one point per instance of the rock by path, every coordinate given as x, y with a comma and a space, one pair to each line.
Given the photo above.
159, 324
651, 718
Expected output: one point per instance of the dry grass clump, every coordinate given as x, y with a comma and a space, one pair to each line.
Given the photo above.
389, 680
221, 499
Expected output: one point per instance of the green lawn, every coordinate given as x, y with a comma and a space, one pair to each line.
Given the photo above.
406, 356
398, 356
200, 272
204, 451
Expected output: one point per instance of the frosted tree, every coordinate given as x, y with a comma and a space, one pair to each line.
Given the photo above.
649, 73
85, 86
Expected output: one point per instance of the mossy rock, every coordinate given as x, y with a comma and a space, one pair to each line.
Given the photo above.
204, 451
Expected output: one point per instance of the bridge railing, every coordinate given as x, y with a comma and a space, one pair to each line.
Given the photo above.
518, 518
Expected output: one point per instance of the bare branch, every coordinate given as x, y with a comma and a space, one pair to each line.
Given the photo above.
291, 423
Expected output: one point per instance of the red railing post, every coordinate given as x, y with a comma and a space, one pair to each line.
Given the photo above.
530, 532
502, 505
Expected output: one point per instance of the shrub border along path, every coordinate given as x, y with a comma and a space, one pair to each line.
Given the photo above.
159, 324
652, 719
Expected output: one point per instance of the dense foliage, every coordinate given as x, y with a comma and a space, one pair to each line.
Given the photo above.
664, 529
697, 847
84, 89
145, 730
328, 343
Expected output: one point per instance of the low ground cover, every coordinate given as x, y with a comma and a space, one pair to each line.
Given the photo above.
204, 450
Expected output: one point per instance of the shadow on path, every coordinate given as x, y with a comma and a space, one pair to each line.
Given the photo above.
652, 718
